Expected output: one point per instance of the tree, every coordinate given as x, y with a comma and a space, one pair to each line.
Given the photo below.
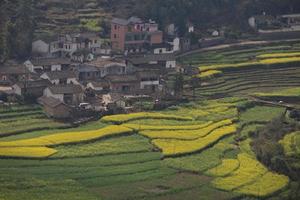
23, 30
178, 85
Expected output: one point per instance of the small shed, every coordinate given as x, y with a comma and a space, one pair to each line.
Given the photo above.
55, 108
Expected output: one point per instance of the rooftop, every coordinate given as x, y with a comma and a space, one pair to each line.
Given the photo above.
121, 78
50, 61
296, 15
49, 101
60, 74
66, 89
144, 59
34, 83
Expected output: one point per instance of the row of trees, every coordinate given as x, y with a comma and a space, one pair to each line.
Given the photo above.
16, 28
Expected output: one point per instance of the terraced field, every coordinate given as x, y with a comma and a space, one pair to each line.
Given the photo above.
197, 150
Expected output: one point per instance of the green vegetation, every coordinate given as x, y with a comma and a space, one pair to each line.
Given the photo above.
229, 143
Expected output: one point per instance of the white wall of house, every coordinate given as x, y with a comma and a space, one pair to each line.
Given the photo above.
55, 67
191, 29
48, 93
149, 83
162, 51
176, 44
29, 66
40, 46
171, 64
17, 90
91, 86
72, 81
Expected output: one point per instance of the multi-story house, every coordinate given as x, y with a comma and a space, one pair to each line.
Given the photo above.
134, 35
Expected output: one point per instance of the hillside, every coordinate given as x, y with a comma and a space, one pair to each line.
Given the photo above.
220, 145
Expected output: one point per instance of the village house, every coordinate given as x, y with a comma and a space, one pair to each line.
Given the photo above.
40, 65
55, 108
34, 88
134, 35
99, 87
123, 84
61, 77
82, 55
86, 72
68, 94
100, 68
149, 81
13, 73
292, 20
67, 44
153, 61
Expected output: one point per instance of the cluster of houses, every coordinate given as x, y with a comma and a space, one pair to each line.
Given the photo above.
84, 70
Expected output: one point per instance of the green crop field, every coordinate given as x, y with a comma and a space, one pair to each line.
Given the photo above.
198, 150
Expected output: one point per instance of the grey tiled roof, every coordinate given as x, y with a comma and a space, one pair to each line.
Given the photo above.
60, 74
66, 89
143, 59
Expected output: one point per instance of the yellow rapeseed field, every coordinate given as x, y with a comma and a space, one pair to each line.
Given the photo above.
142, 115
185, 134
209, 74
142, 127
227, 167
279, 55
289, 144
248, 171
26, 152
177, 147
267, 185
68, 137
269, 61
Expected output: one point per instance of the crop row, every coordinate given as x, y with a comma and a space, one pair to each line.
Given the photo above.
68, 137
251, 178
227, 167
122, 118
270, 61
28, 152
171, 147
185, 134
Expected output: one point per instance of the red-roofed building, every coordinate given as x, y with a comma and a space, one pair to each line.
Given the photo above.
134, 35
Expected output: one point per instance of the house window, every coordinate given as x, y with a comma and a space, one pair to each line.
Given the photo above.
88, 74
116, 27
95, 41
115, 36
